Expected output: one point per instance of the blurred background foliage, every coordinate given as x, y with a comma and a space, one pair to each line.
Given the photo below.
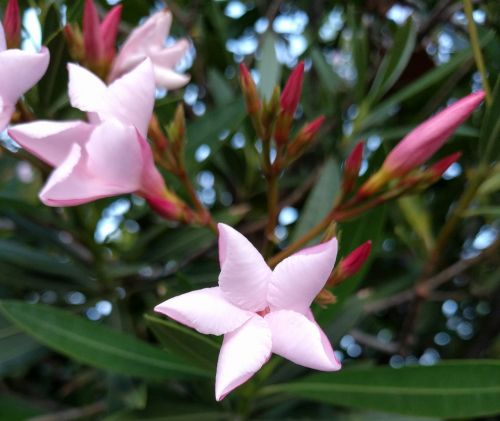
94, 350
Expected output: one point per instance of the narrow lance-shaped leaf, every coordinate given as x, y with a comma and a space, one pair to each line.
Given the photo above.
458, 389
95, 344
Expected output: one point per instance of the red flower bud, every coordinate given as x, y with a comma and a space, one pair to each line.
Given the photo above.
305, 136
293, 89
109, 31
351, 167
351, 264
438, 168
92, 39
249, 90
12, 24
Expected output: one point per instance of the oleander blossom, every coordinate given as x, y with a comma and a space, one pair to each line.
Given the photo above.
258, 310
19, 72
106, 156
148, 40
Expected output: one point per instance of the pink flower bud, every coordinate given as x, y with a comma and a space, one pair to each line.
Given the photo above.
438, 168
249, 90
12, 24
109, 30
351, 167
293, 89
92, 39
423, 141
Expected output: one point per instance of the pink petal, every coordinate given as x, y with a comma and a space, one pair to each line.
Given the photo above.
205, 310
170, 79
114, 156
301, 341
71, 184
146, 38
3, 44
244, 351
6, 111
297, 280
132, 97
86, 91
152, 182
170, 56
19, 71
51, 141
244, 274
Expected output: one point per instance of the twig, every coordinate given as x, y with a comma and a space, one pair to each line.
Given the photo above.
73, 413
373, 342
432, 283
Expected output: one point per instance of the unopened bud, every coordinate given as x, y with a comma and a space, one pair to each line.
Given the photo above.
438, 169
249, 89
74, 40
92, 38
271, 109
171, 207
177, 133
351, 168
12, 24
305, 136
292, 91
423, 141
109, 31
374, 183
325, 298
351, 264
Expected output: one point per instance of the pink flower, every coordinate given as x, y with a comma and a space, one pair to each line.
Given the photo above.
109, 155
148, 40
19, 71
259, 311
423, 141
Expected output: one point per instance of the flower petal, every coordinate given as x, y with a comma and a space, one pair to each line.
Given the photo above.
205, 310
86, 91
299, 278
71, 184
301, 341
114, 155
19, 71
131, 97
170, 79
3, 44
244, 274
244, 351
49, 140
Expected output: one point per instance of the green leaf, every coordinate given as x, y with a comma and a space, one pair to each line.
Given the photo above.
268, 66
458, 389
320, 200
438, 74
395, 61
52, 87
490, 185
15, 409
493, 211
417, 215
220, 88
95, 344
329, 79
489, 139
189, 344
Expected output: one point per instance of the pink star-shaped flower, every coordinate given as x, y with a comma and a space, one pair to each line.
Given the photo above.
258, 310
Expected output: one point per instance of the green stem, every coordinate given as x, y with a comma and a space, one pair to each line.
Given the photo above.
476, 49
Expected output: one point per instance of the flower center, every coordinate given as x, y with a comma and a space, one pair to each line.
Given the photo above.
262, 313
